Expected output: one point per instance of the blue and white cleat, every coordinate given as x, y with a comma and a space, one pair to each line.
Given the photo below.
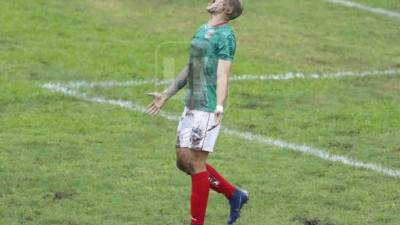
239, 198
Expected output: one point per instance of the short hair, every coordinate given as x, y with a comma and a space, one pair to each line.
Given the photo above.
237, 8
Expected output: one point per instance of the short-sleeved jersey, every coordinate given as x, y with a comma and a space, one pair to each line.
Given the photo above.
208, 45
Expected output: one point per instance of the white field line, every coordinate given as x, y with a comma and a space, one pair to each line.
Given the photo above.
57, 87
314, 151
248, 77
356, 5
113, 83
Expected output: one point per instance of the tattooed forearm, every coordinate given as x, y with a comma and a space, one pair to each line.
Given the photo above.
178, 83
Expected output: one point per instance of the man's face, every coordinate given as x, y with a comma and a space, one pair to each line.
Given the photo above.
215, 6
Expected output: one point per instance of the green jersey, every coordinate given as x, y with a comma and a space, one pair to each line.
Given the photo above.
209, 44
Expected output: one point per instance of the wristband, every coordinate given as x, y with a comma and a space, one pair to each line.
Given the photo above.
219, 109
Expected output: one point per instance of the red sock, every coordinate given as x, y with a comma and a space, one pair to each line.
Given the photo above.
199, 197
219, 184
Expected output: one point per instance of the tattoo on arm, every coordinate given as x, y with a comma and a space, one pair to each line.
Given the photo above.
178, 83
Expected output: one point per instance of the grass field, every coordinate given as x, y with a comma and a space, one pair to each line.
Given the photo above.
64, 160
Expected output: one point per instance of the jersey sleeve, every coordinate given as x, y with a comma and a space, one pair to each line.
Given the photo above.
227, 48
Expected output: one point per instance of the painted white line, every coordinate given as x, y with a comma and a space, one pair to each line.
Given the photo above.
248, 77
310, 76
57, 87
113, 83
313, 151
356, 5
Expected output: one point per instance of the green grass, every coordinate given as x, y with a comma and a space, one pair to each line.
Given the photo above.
117, 167
390, 5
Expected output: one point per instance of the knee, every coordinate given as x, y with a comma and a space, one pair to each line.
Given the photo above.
180, 164
184, 165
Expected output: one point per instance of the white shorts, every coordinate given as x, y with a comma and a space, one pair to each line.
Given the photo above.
197, 130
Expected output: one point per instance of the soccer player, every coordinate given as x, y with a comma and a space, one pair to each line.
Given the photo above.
206, 77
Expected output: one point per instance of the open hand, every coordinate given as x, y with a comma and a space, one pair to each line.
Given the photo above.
155, 106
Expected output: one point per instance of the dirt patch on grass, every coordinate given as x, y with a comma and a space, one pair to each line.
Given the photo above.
340, 145
310, 221
59, 195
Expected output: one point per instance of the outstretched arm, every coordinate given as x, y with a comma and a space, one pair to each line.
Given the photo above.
161, 98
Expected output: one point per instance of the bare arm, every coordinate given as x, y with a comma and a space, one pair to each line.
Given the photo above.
224, 68
178, 84
223, 71
159, 99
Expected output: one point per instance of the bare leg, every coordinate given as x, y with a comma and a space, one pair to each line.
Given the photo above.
191, 161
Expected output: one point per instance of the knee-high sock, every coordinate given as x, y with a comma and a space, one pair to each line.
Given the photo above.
199, 197
219, 184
